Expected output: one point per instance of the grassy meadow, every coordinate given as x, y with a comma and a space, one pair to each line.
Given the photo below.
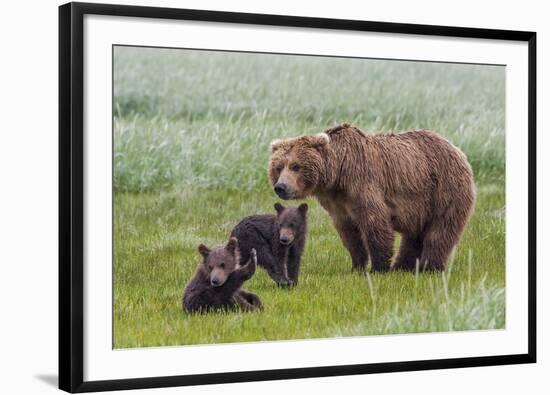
191, 144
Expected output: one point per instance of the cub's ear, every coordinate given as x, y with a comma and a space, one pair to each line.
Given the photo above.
279, 208
204, 250
320, 140
302, 208
232, 245
276, 144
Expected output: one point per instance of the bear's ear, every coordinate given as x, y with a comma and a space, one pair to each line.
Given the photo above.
232, 245
302, 208
279, 208
320, 140
276, 144
204, 250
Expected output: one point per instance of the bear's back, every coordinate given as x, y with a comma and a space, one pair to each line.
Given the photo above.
418, 166
401, 162
434, 155
255, 231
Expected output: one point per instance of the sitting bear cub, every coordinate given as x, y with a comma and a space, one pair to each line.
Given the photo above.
278, 239
218, 280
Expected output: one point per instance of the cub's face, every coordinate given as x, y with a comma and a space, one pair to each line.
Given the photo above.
220, 262
291, 222
296, 165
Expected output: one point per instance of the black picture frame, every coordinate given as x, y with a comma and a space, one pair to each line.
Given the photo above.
71, 198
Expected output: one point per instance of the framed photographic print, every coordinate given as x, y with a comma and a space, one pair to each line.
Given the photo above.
250, 197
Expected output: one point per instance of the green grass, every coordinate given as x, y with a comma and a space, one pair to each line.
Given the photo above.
192, 132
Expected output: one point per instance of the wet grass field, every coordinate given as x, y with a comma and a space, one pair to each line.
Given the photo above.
191, 139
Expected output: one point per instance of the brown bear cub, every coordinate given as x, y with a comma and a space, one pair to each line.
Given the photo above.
372, 185
218, 280
278, 239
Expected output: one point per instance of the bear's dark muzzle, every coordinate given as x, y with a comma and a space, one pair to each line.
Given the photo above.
281, 190
215, 282
285, 240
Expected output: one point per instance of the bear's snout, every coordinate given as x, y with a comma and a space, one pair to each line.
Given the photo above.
286, 236
216, 282
281, 189
217, 278
284, 240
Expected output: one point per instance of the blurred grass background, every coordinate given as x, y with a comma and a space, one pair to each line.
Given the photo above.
189, 117
191, 140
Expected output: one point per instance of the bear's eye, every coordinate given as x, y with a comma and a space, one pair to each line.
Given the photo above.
222, 265
295, 167
279, 168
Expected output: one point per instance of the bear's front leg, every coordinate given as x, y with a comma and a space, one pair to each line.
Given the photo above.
274, 267
293, 267
377, 234
351, 237
247, 271
237, 278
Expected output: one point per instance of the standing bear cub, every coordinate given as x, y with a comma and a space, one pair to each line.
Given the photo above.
415, 183
218, 280
278, 239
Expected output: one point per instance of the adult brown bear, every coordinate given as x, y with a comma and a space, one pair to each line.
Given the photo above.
415, 183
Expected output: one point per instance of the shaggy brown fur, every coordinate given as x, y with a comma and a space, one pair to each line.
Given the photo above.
415, 183
218, 281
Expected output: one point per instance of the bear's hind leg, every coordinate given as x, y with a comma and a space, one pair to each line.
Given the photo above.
239, 302
440, 238
252, 299
410, 251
